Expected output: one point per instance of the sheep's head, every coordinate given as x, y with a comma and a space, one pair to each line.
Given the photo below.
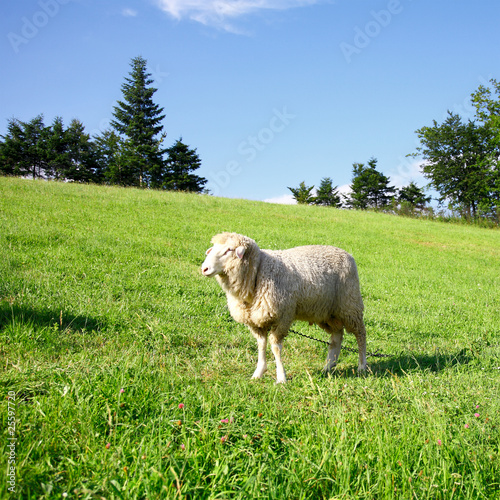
231, 253
227, 248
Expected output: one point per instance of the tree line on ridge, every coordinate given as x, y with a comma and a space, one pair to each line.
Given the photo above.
130, 153
461, 160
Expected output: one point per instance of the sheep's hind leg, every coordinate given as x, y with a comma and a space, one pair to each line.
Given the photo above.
280, 370
336, 331
361, 340
277, 337
261, 361
357, 326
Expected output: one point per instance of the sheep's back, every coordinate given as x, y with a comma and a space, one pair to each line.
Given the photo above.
314, 281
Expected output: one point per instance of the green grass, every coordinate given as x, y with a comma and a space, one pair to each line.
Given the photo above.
100, 290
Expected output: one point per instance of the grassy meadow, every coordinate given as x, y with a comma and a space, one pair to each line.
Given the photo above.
131, 380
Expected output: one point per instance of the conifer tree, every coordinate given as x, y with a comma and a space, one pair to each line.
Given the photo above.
109, 165
81, 151
11, 150
180, 165
413, 195
327, 195
138, 120
53, 152
24, 149
58, 160
370, 188
302, 194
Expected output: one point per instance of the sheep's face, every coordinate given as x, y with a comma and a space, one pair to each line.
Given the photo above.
219, 256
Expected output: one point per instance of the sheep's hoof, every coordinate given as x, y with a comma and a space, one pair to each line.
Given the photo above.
364, 371
259, 373
280, 376
329, 370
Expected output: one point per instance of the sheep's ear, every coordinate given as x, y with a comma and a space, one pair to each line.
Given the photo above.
208, 251
240, 251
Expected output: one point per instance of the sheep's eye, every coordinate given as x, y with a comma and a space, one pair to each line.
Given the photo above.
228, 250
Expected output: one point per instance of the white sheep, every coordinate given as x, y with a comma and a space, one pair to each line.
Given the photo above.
268, 290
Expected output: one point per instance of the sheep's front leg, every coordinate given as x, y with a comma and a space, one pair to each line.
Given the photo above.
261, 361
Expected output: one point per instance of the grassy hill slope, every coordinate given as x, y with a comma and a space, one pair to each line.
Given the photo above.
107, 326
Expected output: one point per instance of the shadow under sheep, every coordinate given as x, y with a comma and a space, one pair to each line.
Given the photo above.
402, 364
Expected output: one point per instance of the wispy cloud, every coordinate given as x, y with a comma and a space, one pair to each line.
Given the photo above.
219, 13
127, 12
284, 199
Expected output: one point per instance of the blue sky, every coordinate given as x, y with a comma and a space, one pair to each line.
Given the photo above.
269, 92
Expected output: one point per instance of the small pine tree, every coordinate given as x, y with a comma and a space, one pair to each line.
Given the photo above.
413, 195
181, 162
11, 148
52, 152
370, 188
109, 165
24, 148
58, 161
302, 194
82, 158
327, 195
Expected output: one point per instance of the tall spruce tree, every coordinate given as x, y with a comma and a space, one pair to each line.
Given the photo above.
138, 120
